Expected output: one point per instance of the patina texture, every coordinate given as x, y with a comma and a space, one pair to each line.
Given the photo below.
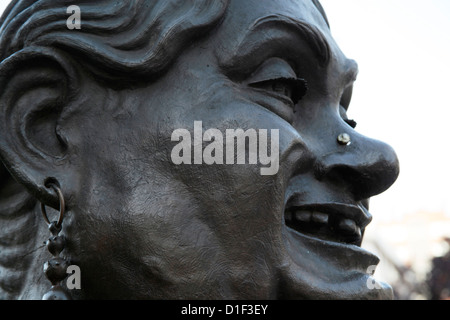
93, 110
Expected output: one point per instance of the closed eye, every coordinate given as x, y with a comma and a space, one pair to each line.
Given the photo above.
290, 88
344, 105
276, 76
352, 123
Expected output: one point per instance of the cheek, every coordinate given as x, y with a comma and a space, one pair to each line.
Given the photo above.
235, 202
187, 220
190, 224
215, 179
235, 150
202, 237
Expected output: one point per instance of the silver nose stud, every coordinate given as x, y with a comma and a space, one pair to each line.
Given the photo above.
344, 139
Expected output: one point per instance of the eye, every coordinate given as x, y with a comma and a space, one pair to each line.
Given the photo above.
343, 112
344, 104
293, 89
347, 97
277, 78
282, 87
352, 123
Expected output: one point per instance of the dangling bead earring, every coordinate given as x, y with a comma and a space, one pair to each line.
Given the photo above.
56, 268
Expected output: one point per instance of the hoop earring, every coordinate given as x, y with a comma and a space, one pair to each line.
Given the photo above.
56, 268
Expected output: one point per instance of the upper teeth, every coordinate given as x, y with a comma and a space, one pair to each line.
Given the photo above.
345, 226
319, 217
303, 216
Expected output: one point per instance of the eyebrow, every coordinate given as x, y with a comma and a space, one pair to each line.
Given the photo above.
312, 36
322, 11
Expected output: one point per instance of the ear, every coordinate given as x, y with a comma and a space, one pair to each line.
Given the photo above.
36, 86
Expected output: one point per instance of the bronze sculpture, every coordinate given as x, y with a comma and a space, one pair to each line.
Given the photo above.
93, 111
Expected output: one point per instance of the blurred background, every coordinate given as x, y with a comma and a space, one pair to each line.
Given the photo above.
402, 97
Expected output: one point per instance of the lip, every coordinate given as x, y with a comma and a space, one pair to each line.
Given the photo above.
345, 254
325, 267
341, 255
336, 255
321, 269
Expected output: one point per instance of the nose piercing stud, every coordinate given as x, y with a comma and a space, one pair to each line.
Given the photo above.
344, 139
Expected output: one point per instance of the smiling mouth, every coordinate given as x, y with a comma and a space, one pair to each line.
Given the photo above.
332, 222
323, 242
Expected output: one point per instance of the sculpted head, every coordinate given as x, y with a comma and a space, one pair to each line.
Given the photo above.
105, 112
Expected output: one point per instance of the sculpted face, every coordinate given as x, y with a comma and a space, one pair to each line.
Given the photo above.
226, 231
141, 226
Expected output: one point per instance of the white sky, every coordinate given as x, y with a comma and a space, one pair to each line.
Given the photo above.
401, 96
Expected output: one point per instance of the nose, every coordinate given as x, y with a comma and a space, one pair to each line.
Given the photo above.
364, 167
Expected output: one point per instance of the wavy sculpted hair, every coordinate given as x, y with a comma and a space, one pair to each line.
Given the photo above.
120, 41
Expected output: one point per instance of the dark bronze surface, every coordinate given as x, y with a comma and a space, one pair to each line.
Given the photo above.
94, 109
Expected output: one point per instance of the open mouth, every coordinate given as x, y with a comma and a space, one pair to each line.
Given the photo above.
334, 222
323, 242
